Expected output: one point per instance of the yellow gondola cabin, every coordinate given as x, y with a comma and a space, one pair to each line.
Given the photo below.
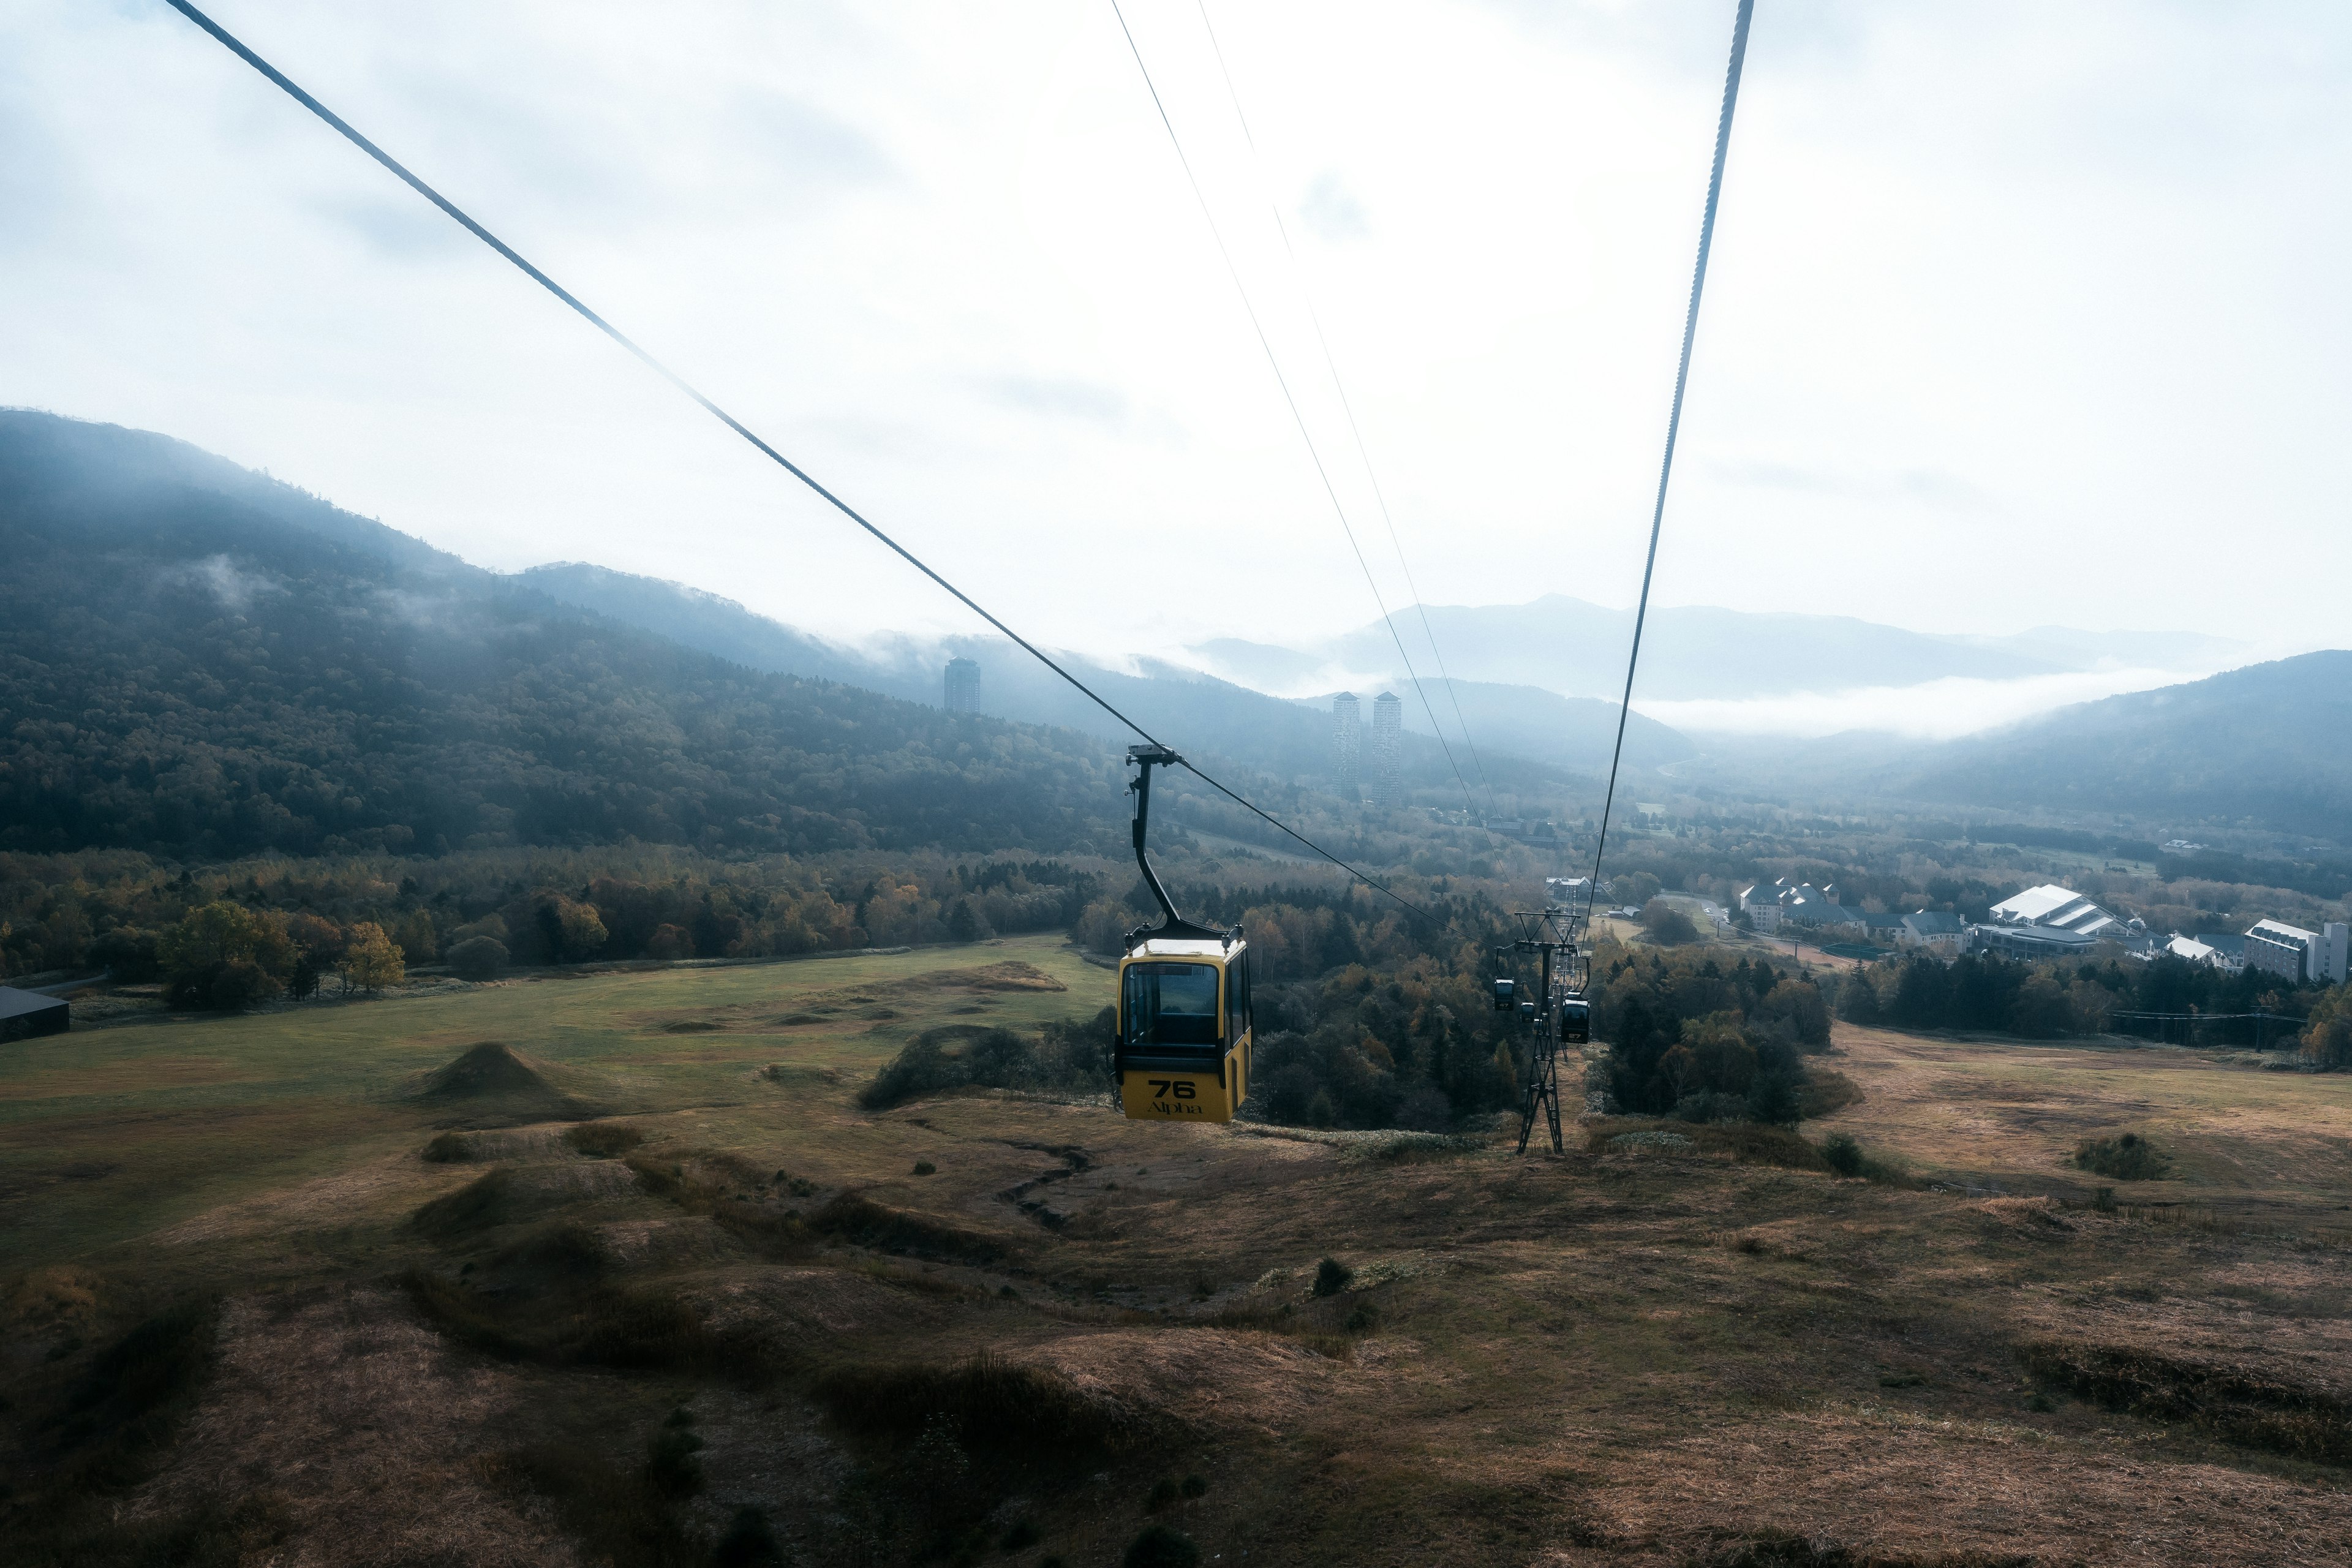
1182, 1052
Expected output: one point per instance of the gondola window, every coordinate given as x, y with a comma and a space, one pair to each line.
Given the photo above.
1171, 1005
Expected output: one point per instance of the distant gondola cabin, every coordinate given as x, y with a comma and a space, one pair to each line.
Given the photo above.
1182, 1053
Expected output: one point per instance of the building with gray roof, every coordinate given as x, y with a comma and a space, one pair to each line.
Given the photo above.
25, 1013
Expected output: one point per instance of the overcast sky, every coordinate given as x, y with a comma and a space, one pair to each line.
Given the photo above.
2019, 314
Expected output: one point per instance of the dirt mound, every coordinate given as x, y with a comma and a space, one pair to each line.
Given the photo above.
494, 1078
864, 1223
485, 1069
1010, 975
455, 1148
2035, 1217
510, 1194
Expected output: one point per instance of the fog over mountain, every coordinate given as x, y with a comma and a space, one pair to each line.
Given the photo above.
201, 657
196, 660
1290, 738
1696, 653
223, 557
2270, 744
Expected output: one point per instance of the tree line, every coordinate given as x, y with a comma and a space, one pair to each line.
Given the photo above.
484, 911
1988, 993
2042, 1001
1370, 1018
1693, 1036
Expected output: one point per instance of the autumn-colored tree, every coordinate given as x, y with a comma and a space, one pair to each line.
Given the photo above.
1103, 926
371, 962
224, 956
223, 932
571, 931
317, 935
2328, 1040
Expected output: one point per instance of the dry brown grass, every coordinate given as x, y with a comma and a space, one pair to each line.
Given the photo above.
2008, 1111
365, 1430
1630, 1354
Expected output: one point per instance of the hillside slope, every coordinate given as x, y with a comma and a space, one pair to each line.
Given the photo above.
2270, 743
198, 660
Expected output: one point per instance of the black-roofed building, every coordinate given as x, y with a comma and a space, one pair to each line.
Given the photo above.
24, 1014
1933, 930
1885, 929
2034, 943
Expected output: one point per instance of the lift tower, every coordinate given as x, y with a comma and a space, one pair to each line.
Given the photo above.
1557, 1012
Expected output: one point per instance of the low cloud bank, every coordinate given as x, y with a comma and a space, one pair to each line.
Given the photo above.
1931, 711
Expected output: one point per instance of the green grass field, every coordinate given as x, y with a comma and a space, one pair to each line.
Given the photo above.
113, 1134
1648, 1351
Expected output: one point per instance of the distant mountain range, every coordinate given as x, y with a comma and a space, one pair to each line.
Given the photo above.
2271, 744
1286, 738
1575, 648
200, 659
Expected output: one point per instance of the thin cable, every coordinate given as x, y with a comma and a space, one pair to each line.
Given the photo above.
1283, 380
1674, 425
1331, 363
605, 326
1247, 806
679, 381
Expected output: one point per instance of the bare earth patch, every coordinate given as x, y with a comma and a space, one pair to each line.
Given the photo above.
367, 1432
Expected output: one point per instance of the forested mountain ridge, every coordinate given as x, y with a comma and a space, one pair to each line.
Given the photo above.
716, 625
2269, 744
90, 465
197, 660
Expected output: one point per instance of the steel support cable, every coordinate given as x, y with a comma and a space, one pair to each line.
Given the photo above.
1674, 425
1355, 431
1281, 380
349, 133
